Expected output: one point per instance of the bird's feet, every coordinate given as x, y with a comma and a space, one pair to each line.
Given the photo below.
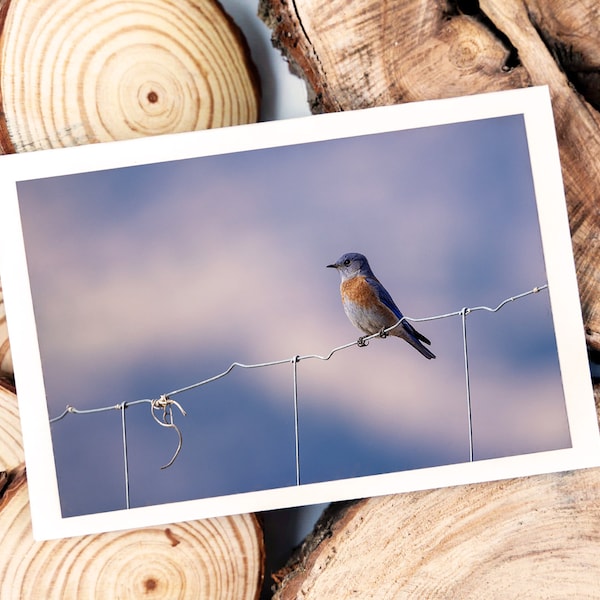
363, 341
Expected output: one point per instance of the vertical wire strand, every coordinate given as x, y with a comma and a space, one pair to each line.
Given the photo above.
463, 314
125, 458
296, 428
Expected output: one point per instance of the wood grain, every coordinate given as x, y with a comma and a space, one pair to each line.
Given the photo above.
535, 537
569, 29
75, 72
376, 52
11, 440
211, 559
6, 365
373, 53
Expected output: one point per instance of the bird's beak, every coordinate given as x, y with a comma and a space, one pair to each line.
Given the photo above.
333, 266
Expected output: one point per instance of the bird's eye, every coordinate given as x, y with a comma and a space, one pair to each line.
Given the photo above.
347, 262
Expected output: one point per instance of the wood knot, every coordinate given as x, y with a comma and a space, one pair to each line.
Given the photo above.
152, 97
473, 47
150, 584
465, 53
171, 537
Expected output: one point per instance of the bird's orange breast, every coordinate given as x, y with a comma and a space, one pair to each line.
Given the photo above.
358, 291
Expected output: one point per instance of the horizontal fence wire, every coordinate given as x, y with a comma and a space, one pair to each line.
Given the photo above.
162, 407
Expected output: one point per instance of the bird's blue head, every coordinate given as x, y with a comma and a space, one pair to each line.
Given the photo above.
352, 264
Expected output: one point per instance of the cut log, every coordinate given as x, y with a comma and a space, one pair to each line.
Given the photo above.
210, 559
371, 53
6, 366
535, 537
80, 72
570, 31
11, 440
367, 53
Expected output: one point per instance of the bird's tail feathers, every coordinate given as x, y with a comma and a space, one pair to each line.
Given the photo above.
417, 334
414, 338
426, 352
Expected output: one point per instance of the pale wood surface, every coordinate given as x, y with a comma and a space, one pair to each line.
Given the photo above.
534, 537
11, 440
210, 559
6, 366
371, 52
74, 72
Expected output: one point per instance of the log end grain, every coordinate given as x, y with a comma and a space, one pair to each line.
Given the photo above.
79, 73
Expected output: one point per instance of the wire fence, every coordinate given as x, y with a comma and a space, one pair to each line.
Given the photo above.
162, 408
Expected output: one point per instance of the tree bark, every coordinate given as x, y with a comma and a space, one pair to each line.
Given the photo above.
81, 72
374, 52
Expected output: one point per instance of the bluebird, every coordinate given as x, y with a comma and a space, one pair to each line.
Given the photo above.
368, 304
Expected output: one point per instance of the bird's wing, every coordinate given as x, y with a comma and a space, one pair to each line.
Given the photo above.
384, 296
387, 300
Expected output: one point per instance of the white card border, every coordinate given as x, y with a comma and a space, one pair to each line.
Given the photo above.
533, 103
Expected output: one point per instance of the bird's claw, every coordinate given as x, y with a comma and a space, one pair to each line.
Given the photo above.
383, 333
361, 342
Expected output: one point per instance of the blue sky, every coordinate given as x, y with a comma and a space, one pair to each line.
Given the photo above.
147, 279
